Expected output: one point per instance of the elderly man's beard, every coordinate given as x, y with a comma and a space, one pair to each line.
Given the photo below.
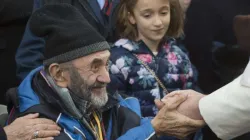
80, 87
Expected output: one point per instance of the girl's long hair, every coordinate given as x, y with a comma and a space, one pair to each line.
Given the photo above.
127, 30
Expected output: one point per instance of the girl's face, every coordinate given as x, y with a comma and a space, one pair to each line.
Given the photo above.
152, 18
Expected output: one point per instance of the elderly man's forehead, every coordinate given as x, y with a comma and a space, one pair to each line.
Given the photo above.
103, 55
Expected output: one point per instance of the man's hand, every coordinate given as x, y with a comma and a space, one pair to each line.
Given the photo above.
170, 122
190, 107
24, 128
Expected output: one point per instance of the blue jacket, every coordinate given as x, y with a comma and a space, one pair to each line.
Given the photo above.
29, 54
129, 76
35, 99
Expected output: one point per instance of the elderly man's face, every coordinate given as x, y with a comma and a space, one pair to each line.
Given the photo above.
88, 78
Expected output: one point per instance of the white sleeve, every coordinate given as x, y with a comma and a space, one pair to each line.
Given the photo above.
227, 110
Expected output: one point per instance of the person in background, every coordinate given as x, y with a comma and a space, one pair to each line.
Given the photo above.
100, 14
211, 42
14, 15
145, 63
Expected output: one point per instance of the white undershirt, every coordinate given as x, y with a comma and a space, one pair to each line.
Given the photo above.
101, 3
155, 53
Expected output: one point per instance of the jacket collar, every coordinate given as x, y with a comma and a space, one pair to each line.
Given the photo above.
139, 47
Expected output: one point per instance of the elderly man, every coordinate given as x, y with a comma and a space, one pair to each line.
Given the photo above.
71, 87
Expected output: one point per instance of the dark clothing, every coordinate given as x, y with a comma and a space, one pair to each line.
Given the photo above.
208, 21
14, 15
29, 54
2, 134
69, 34
130, 77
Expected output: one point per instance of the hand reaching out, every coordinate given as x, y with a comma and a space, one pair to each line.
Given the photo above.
171, 122
190, 107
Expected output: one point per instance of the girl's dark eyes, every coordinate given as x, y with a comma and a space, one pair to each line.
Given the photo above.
164, 13
146, 15
149, 15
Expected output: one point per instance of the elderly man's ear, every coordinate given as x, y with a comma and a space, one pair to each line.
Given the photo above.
60, 77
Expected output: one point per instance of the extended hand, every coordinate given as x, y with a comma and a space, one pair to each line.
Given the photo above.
170, 122
190, 107
23, 128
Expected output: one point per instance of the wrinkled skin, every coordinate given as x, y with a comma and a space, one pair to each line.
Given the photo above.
172, 123
23, 128
190, 107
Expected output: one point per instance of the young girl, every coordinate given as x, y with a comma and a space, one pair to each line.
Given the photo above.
146, 63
